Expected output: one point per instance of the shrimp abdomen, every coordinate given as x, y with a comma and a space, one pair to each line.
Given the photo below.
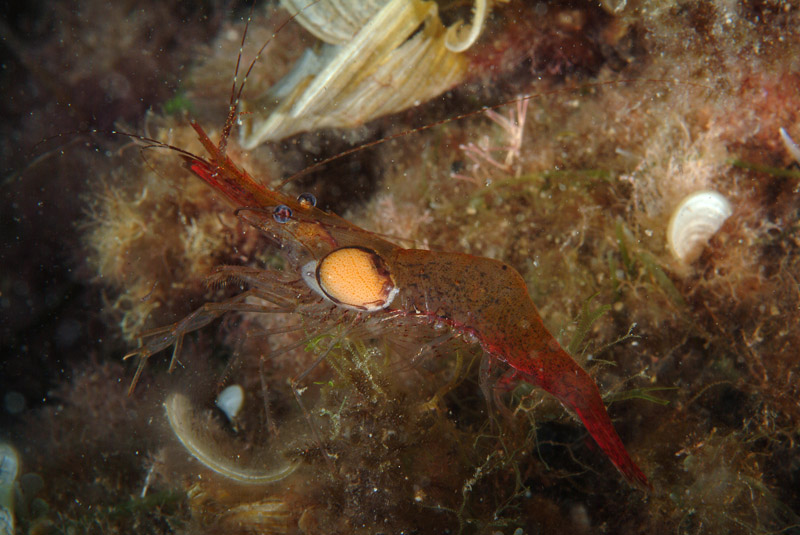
489, 300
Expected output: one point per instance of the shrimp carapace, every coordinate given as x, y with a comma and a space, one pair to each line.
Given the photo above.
483, 300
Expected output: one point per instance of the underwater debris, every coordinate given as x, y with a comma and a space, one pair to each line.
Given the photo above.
383, 68
695, 220
9, 468
265, 516
208, 444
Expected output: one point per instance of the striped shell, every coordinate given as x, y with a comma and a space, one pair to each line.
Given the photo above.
695, 220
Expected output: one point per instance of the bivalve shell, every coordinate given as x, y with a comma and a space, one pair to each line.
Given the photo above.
695, 220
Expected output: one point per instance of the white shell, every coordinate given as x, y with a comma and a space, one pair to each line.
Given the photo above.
230, 401
695, 220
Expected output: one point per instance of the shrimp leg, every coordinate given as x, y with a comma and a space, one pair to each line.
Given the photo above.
153, 341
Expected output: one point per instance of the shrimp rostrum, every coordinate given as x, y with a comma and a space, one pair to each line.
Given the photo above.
347, 268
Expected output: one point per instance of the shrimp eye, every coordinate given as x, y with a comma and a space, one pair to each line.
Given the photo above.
282, 213
357, 278
307, 199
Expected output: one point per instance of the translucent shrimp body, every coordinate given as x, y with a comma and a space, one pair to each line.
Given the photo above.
479, 298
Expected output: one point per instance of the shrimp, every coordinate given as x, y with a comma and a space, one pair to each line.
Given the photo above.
342, 268
353, 270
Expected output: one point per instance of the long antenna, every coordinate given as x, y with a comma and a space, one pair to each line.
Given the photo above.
523, 98
236, 95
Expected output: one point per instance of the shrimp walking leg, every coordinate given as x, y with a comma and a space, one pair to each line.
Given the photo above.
156, 340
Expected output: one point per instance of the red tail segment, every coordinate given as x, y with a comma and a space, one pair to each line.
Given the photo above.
592, 413
562, 377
